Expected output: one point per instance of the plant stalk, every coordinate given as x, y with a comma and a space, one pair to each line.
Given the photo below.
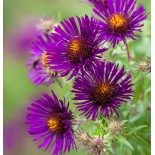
128, 51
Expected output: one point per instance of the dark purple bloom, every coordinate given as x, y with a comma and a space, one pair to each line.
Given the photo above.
119, 19
40, 72
102, 90
50, 119
76, 46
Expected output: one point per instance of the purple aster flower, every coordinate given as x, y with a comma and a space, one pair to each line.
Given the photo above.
119, 19
102, 90
50, 119
76, 46
40, 72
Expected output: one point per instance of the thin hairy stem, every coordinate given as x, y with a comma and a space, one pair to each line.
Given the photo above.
128, 51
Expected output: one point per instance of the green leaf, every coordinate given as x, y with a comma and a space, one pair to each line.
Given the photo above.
110, 149
125, 141
135, 129
100, 130
141, 141
121, 148
93, 133
127, 116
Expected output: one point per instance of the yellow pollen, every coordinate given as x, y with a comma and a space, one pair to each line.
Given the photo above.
44, 60
74, 46
53, 124
104, 88
117, 20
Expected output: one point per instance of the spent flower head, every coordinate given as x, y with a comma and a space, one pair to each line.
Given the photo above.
46, 24
94, 145
144, 65
116, 127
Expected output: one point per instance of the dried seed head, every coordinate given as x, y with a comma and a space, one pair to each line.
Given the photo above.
93, 145
145, 65
46, 24
116, 127
97, 146
82, 138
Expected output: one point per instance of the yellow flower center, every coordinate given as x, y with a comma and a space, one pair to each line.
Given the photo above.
44, 60
53, 124
75, 46
78, 48
118, 23
103, 92
117, 20
105, 88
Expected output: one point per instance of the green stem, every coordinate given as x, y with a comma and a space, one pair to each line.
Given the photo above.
128, 51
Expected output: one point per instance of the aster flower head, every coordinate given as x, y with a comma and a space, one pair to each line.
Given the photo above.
102, 90
76, 46
119, 19
50, 119
40, 72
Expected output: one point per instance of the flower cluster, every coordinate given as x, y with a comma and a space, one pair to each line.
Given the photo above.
74, 50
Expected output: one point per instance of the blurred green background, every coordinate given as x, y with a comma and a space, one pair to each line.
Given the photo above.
19, 90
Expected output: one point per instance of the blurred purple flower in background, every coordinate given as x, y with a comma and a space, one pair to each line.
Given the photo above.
50, 119
15, 134
20, 38
102, 90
